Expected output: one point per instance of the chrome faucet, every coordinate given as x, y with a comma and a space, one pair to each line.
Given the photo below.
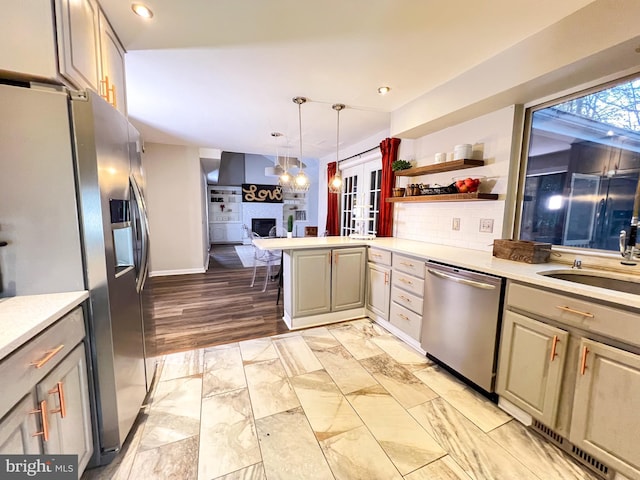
577, 263
628, 248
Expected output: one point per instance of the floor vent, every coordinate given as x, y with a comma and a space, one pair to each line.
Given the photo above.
548, 433
580, 455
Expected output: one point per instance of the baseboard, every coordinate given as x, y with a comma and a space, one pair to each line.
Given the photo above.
185, 271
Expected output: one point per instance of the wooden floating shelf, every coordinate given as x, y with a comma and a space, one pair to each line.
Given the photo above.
440, 167
450, 197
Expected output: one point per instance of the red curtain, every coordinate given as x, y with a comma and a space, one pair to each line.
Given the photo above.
389, 149
333, 220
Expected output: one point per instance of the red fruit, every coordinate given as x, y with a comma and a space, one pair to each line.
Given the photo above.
469, 182
477, 181
463, 188
459, 183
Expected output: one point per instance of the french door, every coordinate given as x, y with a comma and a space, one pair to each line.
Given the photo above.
360, 198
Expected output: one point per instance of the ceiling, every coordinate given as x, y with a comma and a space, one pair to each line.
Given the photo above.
222, 73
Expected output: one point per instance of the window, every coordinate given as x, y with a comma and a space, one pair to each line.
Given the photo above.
582, 168
361, 196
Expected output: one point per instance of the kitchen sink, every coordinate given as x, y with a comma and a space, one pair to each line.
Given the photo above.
610, 281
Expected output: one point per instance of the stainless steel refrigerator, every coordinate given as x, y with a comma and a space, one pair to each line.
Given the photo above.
73, 216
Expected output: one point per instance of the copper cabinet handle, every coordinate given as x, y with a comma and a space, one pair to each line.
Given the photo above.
577, 312
583, 362
337, 256
105, 83
553, 347
50, 354
329, 258
402, 316
375, 255
405, 298
45, 421
408, 282
407, 264
60, 391
386, 278
113, 102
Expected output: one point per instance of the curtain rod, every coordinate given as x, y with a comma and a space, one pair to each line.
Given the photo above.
358, 154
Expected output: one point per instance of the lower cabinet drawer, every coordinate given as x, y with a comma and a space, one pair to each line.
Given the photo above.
30, 363
408, 282
376, 255
407, 300
406, 320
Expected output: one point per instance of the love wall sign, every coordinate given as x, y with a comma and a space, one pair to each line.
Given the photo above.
252, 192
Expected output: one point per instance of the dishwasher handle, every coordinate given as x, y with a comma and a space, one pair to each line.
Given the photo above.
464, 281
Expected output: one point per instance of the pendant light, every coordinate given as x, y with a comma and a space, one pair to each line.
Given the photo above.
301, 181
335, 185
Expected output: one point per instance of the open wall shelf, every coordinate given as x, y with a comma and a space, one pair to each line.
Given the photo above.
450, 197
440, 167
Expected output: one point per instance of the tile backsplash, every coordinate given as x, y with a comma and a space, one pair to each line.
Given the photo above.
433, 223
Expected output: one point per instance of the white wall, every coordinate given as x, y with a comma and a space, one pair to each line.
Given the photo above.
254, 166
176, 212
492, 137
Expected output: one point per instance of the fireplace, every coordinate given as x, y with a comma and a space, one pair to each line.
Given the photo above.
262, 226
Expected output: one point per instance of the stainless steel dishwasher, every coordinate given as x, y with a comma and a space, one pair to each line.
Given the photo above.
461, 321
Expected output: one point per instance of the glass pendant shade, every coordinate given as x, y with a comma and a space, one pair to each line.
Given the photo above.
335, 183
301, 181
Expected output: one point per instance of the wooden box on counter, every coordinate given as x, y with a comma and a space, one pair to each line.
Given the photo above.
522, 250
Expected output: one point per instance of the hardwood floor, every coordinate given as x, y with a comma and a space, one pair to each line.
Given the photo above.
213, 308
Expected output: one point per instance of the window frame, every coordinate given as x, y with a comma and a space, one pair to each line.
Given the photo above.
529, 110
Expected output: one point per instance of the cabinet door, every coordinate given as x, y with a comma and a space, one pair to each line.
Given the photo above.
112, 78
379, 290
532, 357
347, 278
67, 394
605, 420
311, 282
78, 51
234, 232
18, 427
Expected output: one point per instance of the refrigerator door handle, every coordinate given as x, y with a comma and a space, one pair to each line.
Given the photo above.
144, 262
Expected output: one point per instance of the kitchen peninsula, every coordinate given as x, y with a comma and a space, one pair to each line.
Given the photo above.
567, 350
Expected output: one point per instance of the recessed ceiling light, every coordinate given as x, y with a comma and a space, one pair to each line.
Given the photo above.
383, 90
141, 10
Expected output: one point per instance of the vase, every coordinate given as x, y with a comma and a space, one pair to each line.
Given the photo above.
289, 234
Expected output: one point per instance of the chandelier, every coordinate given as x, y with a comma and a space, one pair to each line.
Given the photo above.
335, 184
300, 183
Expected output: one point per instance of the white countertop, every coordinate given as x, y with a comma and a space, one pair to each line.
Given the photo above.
465, 258
23, 317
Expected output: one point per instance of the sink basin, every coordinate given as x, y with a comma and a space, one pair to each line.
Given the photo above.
610, 281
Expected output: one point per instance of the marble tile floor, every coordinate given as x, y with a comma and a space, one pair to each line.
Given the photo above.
347, 401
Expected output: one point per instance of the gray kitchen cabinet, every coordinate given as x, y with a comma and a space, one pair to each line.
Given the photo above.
348, 278
66, 392
379, 289
45, 404
605, 420
18, 427
378, 294
323, 285
312, 284
407, 297
78, 42
112, 75
29, 42
532, 358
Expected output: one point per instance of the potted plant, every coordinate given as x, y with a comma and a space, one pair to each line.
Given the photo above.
290, 226
400, 165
